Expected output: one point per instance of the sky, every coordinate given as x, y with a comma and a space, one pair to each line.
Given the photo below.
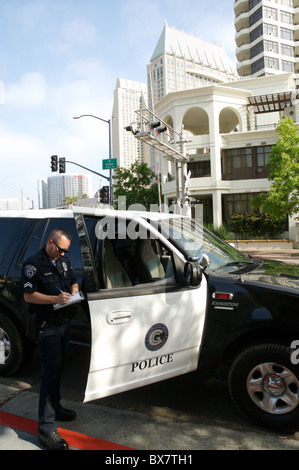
62, 58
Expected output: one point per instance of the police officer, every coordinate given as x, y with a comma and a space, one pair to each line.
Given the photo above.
48, 279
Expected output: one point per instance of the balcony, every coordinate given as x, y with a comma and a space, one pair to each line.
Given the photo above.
242, 37
241, 6
198, 144
242, 21
243, 52
244, 68
204, 184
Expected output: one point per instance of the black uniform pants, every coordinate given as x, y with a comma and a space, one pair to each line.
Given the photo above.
52, 342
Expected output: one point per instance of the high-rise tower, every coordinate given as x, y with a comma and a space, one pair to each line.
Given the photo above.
267, 34
181, 61
129, 96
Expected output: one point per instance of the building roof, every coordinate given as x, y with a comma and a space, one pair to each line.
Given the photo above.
131, 85
181, 44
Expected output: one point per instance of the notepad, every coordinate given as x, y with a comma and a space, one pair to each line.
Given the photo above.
74, 299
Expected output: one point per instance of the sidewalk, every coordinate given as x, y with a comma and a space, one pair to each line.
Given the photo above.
286, 255
103, 428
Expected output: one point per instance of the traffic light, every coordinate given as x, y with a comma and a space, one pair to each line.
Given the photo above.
61, 165
154, 125
104, 195
54, 163
157, 125
132, 129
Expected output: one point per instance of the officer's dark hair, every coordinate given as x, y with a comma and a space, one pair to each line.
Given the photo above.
62, 232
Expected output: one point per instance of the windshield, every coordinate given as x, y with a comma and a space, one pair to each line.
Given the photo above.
194, 240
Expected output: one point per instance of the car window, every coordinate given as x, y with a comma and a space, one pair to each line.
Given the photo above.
194, 240
34, 242
91, 223
9, 230
125, 262
74, 254
39, 236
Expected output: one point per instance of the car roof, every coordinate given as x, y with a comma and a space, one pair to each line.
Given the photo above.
37, 214
97, 212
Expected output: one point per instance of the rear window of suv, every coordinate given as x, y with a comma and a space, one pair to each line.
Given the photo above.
9, 229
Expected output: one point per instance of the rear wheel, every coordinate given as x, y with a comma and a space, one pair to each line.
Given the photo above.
14, 348
264, 385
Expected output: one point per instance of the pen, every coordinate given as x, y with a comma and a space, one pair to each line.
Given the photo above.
59, 289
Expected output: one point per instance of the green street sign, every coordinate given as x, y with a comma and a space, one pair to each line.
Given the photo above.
110, 164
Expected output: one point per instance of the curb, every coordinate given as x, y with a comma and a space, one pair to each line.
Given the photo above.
74, 439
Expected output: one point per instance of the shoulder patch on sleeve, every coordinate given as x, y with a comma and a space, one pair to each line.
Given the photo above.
29, 270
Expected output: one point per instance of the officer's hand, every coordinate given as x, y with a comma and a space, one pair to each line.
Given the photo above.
63, 298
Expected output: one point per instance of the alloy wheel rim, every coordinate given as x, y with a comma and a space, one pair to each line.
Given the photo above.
5, 339
273, 388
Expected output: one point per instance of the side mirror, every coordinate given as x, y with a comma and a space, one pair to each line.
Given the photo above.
204, 261
192, 273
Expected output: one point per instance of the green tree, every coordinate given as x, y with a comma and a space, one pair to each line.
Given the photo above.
73, 200
135, 184
283, 164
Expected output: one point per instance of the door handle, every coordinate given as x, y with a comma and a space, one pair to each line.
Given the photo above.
119, 316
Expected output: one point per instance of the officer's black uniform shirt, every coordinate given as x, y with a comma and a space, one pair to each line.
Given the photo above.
39, 274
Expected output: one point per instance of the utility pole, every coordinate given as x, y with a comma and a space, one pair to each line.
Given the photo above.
110, 147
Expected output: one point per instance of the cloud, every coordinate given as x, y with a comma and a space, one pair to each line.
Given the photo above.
2, 93
78, 32
74, 37
30, 91
20, 152
28, 13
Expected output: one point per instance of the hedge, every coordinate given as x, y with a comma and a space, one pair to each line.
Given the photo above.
257, 225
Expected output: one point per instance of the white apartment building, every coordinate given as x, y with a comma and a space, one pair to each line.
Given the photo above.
67, 185
181, 61
267, 34
129, 97
15, 204
229, 129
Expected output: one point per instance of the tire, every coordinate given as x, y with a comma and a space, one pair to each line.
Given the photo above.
14, 351
264, 386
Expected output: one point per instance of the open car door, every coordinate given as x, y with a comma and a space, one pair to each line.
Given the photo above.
145, 326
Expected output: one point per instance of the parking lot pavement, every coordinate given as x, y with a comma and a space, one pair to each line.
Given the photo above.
103, 428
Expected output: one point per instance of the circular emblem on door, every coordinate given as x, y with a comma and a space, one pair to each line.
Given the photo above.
156, 337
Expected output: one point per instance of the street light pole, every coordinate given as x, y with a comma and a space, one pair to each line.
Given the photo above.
110, 147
